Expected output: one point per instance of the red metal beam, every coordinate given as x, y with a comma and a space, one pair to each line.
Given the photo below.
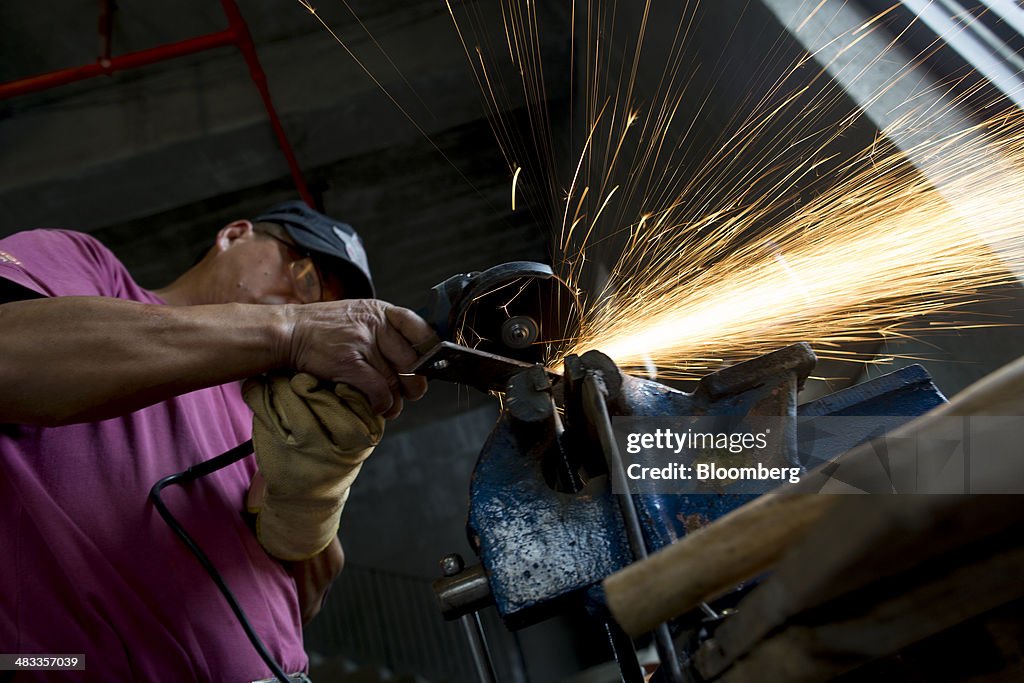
132, 60
243, 39
237, 34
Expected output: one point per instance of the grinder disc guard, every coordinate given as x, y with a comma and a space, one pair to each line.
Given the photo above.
518, 310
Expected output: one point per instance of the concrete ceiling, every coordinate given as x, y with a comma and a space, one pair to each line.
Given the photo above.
154, 160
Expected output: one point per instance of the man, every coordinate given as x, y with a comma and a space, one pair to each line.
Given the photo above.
106, 387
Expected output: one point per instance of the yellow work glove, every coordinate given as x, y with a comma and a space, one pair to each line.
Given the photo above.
310, 440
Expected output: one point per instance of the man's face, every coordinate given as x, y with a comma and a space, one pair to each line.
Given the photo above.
265, 266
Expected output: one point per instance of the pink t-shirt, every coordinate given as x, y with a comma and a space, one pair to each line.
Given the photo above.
86, 563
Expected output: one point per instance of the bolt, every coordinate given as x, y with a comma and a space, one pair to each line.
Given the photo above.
440, 364
452, 564
519, 332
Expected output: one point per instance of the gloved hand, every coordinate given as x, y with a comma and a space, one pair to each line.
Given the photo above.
310, 442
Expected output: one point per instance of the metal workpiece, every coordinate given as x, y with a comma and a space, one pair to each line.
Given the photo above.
581, 440
485, 371
596, 412
461, 590
538, 428
577, 368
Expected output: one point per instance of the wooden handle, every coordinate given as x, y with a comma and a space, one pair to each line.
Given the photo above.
751, 539
710, 561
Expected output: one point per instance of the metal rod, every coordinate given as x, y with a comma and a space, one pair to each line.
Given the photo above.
452, 566
594, 404
630, 670
667, 653
474, 631
572, 479
597, 411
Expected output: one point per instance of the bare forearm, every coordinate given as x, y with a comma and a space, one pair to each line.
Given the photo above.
74, 359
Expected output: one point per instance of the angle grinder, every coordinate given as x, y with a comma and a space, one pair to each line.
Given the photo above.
502, 319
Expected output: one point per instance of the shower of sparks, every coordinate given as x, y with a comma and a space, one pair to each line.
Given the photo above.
729, 256
309, 7
870, 256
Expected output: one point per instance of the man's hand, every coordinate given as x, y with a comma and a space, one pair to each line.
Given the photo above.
313, 577
363, 343
310, 443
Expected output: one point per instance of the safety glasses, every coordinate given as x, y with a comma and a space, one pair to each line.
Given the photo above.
305, 277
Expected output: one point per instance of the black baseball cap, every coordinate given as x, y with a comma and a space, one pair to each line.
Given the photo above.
328, 237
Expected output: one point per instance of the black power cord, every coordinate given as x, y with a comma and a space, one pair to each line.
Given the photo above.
191, 474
